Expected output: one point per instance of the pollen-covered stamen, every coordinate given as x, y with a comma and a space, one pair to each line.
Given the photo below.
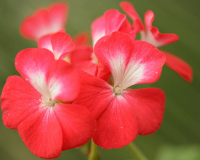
67, 59
118, 90
48, 102
94, 59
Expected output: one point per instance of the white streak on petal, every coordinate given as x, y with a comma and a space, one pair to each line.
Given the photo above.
98, 36
37, 79
126, 76
148, 37
54, 87
118, 68
133, 74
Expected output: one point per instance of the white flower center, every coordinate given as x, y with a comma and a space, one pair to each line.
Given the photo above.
48, 102
118, 90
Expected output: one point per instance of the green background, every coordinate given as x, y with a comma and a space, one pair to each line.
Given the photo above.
180, 130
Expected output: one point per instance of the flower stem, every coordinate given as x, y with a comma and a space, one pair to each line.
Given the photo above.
136, 152
85, 149
94, 154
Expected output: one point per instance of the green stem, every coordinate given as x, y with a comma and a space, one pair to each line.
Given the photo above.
136, 152
85, 149
94, 154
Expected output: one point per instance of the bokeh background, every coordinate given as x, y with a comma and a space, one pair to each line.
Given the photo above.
179, 135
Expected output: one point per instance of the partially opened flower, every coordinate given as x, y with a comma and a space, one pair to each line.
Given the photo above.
152, 35
123, 113
45, 21
39, 105
61, 45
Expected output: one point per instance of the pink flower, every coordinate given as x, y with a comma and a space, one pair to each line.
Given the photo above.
152, 35
123, 113
39, 105
45, 21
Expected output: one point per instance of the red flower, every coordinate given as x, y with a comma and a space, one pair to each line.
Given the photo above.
45, 21
123, 113
152, 35
39, 105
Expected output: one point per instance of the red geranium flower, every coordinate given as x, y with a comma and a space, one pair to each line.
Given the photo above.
123, 113
39, 105
45, 21
152, 35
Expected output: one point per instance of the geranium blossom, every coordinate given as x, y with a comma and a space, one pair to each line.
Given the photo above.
45, 21
39, 105
123, 113
152, 35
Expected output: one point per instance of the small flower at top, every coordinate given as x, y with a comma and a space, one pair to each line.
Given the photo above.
45, 21
60, 44
39, 105
123, 113
152, 35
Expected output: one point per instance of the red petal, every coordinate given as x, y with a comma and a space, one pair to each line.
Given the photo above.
45, 41
114, 51
44, 22
42, 133
86, 66
125, 24
102, 72
149, 105
153, 35
117, 126
98, 29
58, 14
146, 63
18, 100
77, 124
81, 54
130, 10
126, 28
81, 39
113, 21
63, 82
62, 44
33, 65
179, 66
95, 94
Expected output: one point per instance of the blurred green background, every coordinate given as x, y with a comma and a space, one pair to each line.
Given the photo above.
180, 130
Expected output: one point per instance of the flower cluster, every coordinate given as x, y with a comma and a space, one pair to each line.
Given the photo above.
70, 92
